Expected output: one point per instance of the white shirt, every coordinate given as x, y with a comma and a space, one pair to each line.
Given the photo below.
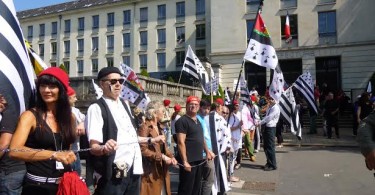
272, 116
173, 128
234, 121
127, 140
78, 114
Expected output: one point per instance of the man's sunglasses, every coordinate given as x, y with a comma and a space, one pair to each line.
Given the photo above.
114, 81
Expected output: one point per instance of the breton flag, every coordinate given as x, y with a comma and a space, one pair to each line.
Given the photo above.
214, 82
288, 38
98, 90
16, 74
35, 59
194, 67
245, 94
290, 113
277, 85
305, 85
369, 87
132, 89
260, 50
227, 98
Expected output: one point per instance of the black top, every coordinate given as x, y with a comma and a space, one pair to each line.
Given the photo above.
366, 109
7, 165
43, 138
194, 141
330, 106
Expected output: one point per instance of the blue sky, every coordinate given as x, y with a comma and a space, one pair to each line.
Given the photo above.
31, 4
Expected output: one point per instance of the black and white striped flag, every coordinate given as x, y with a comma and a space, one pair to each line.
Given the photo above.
305, 85
290, 113
16, 72
227, 98
245, 94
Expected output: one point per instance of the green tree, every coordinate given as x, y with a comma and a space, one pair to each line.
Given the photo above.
170, 79
144, 72
218, 95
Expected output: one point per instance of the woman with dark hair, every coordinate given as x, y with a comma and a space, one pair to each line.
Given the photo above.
156, 157
44, 135
364, 107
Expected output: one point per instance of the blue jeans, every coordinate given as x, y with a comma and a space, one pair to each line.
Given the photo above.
76, 166
11, 184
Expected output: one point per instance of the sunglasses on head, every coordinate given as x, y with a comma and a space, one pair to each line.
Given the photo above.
114, 81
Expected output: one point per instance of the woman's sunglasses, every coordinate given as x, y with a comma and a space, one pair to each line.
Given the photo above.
114, 81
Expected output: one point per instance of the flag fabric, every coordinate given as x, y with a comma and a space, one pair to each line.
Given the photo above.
98, 90
290, 113
132, 88
245, 94
16, 74
35, 59
288, 38
260, 50
193, 66
227, 100
369, 87
277, 85
305, 85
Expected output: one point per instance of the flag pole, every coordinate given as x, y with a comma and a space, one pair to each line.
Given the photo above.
243, 62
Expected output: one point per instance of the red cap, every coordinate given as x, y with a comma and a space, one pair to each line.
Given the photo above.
253, 98
219, 101
58, 73
166, 102
177, 107
235, 102
192, 98
71, 91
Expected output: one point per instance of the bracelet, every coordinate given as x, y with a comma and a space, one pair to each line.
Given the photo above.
53, 156
149, 141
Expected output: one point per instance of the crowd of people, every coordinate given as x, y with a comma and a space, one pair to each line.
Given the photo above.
129, 148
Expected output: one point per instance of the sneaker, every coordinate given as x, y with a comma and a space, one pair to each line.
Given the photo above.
268, 168
256, 151
252, 158
234, 179
237, 166
279, 146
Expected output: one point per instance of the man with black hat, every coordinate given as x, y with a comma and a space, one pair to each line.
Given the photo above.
113, 138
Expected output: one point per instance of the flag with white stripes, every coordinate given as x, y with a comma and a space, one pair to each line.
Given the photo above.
290, 113
132, 88
98, 90
193, 66
227, 98
369, 87
245, 94
16, 74
277, 85
305, 85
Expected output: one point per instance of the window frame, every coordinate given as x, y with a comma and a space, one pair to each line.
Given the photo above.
143, 14
80, 45
180, 9
180, 58
293, 23
94, 66
81, 24
126, 40
95, 21
94, 42
161, 59
180, 34
126, 60
161, 35
80, 66
143, 38
200, 33
327, 33
110, 42
67, 47
42, 32
162, 12
126, 17
111, 19
30, 31
143, 61
200, 7
53, 28
53, 48
67, 26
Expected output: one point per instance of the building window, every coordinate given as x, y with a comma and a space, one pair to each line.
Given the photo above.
67, 66
143, 14
80, 45
41, 50
249, 27
95, 22
67, 26
42, 30
111, 19
201, 32
30, 32
327, 24
180, 34
161, 60
201, 53
110, 42
143, 61
53, 48
161, 35
54, 28
180, 9
126, 60
284, 4
67, 47
162, 12
94, 65
180, 58
126, 39
81, 24
127, 16
95, 44
80, 66
143, 35
200, 7
293, 23
53, 64
109, 62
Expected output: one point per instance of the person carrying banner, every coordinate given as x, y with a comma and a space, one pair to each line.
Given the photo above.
44, 135
113, 138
